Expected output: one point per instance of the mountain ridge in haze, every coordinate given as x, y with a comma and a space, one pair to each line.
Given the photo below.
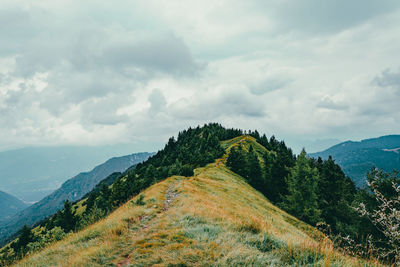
10, 205
46, 168
356, 158
73, 189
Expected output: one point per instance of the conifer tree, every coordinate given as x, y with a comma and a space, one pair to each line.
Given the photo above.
302, 200
68, 219
119, 192
233, 159
24, 239
254, 170
237, 161
103, 201
335, 193
276, 182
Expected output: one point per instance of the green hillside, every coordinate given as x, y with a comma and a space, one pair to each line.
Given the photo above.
211, 218
214, 196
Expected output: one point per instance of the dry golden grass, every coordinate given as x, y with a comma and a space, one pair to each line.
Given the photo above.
214, 219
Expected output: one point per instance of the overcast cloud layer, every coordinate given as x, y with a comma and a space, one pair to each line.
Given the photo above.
106, 72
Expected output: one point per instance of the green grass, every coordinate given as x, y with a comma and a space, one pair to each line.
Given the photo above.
216, 219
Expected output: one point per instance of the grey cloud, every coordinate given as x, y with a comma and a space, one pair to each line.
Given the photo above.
329, 103
268, 85
228, 104
91, 47
103, 111
168, 54
86, 58
72, 88
315, 16
16, 25
104, 117
157, 101
374, 111
98, 55
387, 79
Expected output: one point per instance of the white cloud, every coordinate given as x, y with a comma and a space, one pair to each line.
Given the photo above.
100, 72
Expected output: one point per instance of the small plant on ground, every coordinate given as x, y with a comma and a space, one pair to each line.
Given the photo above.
139, 201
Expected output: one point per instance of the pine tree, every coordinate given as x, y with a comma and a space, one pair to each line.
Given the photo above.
335, 193
24, 239
237, 161
103, 201
302, 200
233, 160
118, 192
254, 171
90, 201
68, 218
276, 182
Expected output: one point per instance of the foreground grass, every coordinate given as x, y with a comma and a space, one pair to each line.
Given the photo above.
211, 219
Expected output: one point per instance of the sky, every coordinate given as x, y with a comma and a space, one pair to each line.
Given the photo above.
137, 72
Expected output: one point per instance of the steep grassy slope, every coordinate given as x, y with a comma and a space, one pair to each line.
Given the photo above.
212, 218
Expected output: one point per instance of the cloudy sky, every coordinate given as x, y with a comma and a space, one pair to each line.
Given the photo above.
107, 72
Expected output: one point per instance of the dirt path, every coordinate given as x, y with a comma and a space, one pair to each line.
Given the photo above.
170, 195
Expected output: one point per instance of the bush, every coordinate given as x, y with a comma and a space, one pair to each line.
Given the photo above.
139, 201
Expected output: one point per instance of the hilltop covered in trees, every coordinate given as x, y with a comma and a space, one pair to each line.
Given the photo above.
313, 190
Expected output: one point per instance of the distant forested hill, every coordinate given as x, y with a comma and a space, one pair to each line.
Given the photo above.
73, 189
9, 205
33, 173
356, 158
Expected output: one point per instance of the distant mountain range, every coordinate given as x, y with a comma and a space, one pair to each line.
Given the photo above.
33, 173
73, 189
9, 205
356, 158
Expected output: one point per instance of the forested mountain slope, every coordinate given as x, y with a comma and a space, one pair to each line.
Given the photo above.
213, 217
356, 158
239, 181
73, 189
9, 205
35, 172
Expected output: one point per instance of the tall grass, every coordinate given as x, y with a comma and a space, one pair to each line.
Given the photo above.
216, 219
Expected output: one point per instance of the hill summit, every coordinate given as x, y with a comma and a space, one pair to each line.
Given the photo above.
212, 217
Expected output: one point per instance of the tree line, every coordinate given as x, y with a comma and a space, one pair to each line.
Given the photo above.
194, 147
313, 190
318, 192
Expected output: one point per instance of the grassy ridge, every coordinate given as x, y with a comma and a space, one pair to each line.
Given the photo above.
212, 218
